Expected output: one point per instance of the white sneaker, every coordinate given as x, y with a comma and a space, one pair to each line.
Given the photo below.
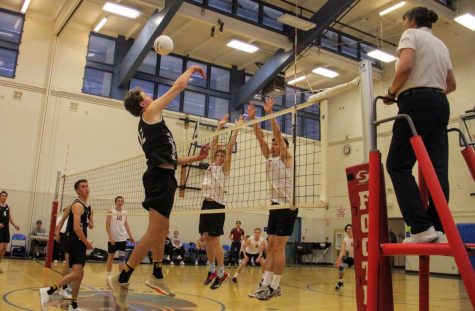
159, 285
182, 263
119, 291
44, 298
66, 294
171, 262
428, 236
168, 258
442, 237
179, 258
196, 262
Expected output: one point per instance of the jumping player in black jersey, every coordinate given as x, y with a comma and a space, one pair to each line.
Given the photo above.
5, 219
158, 180
77, 244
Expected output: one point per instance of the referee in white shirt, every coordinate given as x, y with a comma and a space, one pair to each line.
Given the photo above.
423, 78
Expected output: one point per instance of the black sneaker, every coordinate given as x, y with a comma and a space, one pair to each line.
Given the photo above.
275, 292
218, 281
339, 285
210, 277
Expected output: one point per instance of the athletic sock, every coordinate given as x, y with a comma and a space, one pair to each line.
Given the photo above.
125, 274
74, 303
212, 267
52, 289
275, 281
267, 278
340, 280
235, 275
220, 271
157, 269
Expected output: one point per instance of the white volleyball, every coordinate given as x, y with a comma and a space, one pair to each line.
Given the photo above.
163, 45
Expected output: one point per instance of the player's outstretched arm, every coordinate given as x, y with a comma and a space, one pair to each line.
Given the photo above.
251, 112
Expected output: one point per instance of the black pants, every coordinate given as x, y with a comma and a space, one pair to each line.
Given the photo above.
430, 113
234, 252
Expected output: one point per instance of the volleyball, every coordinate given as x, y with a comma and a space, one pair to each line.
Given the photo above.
163, 45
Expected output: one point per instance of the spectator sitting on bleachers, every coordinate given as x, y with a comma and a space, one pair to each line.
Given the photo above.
37, 244
200, 251
178, 248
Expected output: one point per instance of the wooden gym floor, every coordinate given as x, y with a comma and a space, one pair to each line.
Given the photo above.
304, 288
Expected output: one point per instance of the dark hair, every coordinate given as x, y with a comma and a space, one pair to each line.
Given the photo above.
132, 102
258, 229
118, 197
76, 184
285, 140
423, 16
348, 225
238, 221
4, 192
220, 150
39, 221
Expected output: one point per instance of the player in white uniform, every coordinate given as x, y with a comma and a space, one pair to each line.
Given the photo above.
279, 171
342, 264
211, 225
118, 231
254, 251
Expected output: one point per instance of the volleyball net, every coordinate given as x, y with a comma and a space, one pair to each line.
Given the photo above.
248, 186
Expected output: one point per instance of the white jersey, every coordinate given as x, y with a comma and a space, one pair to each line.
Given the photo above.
117, 226
280, 180
65, 224
253, 247
213, 183
349, 246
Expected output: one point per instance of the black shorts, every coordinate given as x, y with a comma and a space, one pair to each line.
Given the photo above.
160, 186
250, 256
212, 224
5, 235
63, 245
77, 253
281, 221
118, 246
349, 261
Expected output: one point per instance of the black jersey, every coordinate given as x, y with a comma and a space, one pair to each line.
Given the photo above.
84, 222
4, 215
157, 143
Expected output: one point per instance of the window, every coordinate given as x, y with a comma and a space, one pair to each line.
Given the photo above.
329, 40
101, 49
270, 18
97, 82
315, 109
7, 63
312, 128
196, 79
175, 104
11, 28
290, 99
147, 86
218, 107
194, 103
149, 64
349, 47
224, 5
364, 49
248, 10
287, 128
219, 79
170, 67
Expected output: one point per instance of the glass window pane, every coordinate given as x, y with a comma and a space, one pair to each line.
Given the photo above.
312, 128
101, 50
364, 50
194, 103
290, 99
218, 107
270, 18
7, 62
223, 5
149, 63
329, 40
349, 47
248, 10
315, 109
196, 79
147, 86
175, 104
11, 26
97, 82
219, 79
198, 1
287, 129
170, 67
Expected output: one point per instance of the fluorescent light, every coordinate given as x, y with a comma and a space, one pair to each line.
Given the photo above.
24, 7
296, 22
325, 72
296, 80
392, 8
468, 20
100, 24
382, 56
120, 10
239, 45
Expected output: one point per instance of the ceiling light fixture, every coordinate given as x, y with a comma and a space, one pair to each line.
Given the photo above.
100, 24
297, 22
382, 56
325, 72
242, 46
24, 7
121, 10
296, 80
392, 8
467, 20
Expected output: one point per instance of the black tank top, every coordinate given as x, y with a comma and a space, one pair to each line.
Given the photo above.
157, 143
84, 221
4, 216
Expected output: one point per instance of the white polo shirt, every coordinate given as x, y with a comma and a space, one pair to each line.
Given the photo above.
432, 59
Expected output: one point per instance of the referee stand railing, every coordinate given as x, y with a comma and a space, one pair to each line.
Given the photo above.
379, 295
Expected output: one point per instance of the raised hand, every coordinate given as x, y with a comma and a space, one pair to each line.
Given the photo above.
251, 111
239, 121
203, 152
197, 69
268, 104
223, 120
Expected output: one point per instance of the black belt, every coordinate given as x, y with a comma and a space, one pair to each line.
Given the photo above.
419, 90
